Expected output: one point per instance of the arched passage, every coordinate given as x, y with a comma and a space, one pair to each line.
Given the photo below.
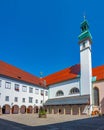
23, 109
29, 109
15, 109
36, 109
96, 96
6, 109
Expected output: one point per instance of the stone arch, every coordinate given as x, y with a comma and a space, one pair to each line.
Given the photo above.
96, 96
36, 109
29, 109
23, 109
15, 109
6, 109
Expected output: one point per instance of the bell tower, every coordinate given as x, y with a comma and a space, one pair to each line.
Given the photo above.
85, 41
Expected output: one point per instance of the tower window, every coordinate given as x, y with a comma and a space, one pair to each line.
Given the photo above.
84, 44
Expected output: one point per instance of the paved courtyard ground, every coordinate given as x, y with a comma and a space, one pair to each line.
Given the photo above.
52, 122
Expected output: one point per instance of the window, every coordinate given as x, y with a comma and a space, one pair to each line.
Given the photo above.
74, 91
46, 93
23, 99
41, 101
16, 87
60, 93
7, 85
36, 100
7, 98
42, 92
30, 99
16, 99
84, 45
0, 83
96, 96
24, 88
36, 91
30, 90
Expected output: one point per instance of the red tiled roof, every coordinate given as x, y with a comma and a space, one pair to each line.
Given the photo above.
63, 75
16, 73
98, 72
71, 73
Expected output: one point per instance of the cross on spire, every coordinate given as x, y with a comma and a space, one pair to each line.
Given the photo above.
84, 16
41, 74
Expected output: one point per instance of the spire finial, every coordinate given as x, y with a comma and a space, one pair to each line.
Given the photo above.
84, 16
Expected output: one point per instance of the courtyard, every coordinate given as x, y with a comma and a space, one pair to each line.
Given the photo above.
52, 122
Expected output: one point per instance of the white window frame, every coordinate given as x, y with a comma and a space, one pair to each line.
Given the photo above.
46, 93
23, 99
36, 91
36, 101
15, 99
8, 85
30, 90
30, 99
7, 97
42, 92
16, 87
24, 88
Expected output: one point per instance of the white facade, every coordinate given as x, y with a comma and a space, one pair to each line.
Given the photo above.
65, 86
8, 90
33, 95
86, 67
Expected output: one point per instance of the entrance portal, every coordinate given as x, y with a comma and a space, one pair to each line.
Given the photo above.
6, 109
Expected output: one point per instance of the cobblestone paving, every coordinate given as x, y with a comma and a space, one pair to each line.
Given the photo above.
52, 122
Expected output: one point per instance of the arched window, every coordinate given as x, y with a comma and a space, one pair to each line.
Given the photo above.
96, 96
74, 91
59, 93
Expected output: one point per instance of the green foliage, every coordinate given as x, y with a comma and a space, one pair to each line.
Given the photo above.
42, 112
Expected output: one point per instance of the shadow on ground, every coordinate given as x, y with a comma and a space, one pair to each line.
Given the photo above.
93, 123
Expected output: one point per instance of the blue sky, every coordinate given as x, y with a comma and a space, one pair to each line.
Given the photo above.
42, 35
